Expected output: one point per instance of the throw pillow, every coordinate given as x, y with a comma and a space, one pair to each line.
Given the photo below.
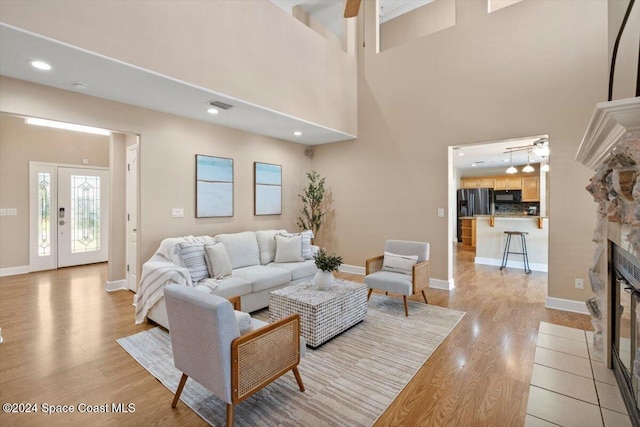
399, 263
217, 259
288, 248
267, 244
192, 255
307, 235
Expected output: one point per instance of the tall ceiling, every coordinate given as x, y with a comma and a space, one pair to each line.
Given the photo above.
115, 80
330, 12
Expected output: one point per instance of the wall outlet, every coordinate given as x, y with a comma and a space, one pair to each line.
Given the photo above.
177, 213
441, 212
3, 212
579, 283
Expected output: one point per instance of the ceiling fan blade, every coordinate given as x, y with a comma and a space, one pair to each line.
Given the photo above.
352, 8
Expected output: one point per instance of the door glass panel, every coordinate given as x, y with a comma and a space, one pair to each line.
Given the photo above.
85, 213
44, 209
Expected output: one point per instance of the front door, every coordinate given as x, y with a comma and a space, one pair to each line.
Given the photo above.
69, 216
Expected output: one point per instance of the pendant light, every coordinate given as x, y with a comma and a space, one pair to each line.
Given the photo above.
511, 168
528, 168
545, 167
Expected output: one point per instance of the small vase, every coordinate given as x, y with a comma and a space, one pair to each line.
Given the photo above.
324, 280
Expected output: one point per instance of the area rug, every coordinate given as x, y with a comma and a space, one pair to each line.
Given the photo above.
350, 380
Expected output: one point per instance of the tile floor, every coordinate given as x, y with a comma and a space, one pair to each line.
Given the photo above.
570, 384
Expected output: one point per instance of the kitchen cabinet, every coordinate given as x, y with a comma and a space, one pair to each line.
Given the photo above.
469, 183
485, 183
468, 233
476, 183
507, 183
514, 183
531, 189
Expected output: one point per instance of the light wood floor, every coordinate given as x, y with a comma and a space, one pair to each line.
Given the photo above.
60, 329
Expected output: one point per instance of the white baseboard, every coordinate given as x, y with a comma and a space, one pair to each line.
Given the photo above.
12, 271
566, 305
445, 285
352, 269
433, 283
115, 285
512, 264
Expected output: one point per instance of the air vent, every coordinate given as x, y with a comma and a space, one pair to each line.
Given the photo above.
221, 105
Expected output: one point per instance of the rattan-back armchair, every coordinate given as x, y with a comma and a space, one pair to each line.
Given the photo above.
207, 346
409, 281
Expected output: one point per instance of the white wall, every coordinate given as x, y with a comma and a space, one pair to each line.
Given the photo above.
250, 49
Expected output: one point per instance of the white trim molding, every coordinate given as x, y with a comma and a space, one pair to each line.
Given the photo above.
352, 269
445, 285
116, 285
610, 122
512, 264
12, 271
566, 305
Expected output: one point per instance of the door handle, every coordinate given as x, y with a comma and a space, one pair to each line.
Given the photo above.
62, 222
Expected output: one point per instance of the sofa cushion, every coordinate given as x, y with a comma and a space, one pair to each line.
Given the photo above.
298, 270
267, 244
192, 255
399, 263
396, 283
218, 262
244, 321
226, 288
288, 248
242, 248
263, 277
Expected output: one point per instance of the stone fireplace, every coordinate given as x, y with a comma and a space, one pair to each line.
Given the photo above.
611, 147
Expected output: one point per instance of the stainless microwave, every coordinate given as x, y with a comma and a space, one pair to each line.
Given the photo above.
507, 196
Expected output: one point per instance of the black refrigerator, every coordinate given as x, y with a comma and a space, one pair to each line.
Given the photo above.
473, 201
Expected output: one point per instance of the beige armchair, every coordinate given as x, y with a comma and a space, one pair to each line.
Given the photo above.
207, 346
405, 272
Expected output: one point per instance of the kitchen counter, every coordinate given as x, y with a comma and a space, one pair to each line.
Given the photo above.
491, 237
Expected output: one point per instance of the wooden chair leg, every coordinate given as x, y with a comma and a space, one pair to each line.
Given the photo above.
298, 377
369, 295
183, 380
425, 297
406, 307
229, 414
386, 293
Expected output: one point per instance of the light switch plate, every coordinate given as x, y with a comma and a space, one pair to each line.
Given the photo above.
177, 213
3, 212
441, 212
579, 283
12, 212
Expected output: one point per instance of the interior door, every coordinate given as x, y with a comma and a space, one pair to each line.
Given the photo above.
132, 217
82, 216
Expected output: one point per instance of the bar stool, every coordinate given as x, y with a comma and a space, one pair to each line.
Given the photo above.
507, 246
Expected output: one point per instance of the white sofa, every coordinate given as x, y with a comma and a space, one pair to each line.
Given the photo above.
254, 272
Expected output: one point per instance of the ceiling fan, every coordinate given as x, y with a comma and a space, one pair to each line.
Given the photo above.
352, 8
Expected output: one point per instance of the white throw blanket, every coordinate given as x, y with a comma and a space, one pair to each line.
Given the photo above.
164, 267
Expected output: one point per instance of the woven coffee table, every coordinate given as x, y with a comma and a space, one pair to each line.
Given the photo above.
323, 314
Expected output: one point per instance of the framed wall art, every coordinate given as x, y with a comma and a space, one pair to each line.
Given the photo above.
267, 194
214, 186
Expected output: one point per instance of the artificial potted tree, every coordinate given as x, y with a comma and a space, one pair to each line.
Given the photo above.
312, 212
326, 264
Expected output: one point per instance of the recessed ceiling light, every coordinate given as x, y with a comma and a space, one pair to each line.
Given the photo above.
212, 110
461, 154
297, 133
41, 65
505, 160
473, 165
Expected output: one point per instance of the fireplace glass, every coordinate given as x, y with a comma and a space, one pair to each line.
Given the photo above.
626, 333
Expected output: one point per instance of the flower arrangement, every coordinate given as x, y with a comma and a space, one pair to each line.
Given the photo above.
327, 262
